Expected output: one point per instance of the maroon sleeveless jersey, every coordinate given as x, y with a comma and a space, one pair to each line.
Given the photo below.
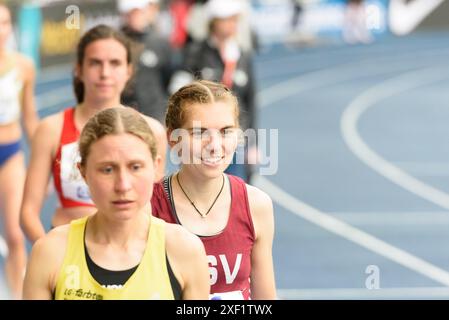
229, 252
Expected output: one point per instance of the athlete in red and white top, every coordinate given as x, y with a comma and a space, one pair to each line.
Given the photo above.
234, 220
101, 73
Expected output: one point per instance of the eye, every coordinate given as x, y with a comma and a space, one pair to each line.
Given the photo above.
116, 63
229, 132
94, 63
136, 166
106, 170
197, 133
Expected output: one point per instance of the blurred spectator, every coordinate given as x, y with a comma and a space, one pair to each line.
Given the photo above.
198, 24
297, 13
355, 23
179, 10
221, 58
147, 90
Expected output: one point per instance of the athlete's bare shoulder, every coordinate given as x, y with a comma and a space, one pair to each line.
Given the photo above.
178, 238
48, 254
261, 207
53, 121
25, 63
48, 132
258, 198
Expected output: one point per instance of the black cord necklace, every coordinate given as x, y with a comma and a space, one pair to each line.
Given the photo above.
203, 215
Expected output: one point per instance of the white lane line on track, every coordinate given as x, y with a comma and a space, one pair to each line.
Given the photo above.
312, 81
381, 57
418, 219
370, 98
427, 169
339, 73
351, 233
360, 293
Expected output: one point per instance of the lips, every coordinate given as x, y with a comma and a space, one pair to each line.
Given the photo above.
212, 160
103, 85
122, 204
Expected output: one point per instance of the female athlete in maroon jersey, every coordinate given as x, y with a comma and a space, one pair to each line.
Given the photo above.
234, 220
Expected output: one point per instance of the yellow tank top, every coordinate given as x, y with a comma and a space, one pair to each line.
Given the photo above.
149, 281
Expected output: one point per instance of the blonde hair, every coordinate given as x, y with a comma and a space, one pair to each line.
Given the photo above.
201, 91
115, 121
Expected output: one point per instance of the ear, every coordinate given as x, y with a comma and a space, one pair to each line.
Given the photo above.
157, 162
130, 71
81, 170
77, 71
170, 141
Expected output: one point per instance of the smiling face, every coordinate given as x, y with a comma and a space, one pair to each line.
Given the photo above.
203, 127
104, 70
119, 171
211, 138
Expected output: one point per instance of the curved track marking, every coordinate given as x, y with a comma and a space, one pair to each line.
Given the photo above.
351, 233
370, 98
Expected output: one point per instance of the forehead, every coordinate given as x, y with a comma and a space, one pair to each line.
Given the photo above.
211, 115
233, 18
119, 147
105, 49
4, 14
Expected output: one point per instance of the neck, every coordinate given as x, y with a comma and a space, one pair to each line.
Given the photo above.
88, 109
200, 190
3, 53
120, 233
218, 43
94, 106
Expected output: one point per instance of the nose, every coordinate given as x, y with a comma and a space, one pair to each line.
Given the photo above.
122, 182
214, 143
105, 70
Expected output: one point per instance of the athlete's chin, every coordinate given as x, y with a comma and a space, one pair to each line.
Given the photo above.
123, 217
123, 214
214, 172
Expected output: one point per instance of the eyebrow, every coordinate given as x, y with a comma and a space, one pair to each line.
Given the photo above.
204, 129
94, 59
114, 163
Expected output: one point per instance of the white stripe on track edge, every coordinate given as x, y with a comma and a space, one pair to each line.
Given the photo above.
360, 293
351, 233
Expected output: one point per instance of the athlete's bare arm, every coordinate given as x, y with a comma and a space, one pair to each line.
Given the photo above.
45, 262
43, 148
262, 271
29, 114
188, 261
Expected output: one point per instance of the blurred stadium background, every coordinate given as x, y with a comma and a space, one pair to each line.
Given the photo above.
361, 192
